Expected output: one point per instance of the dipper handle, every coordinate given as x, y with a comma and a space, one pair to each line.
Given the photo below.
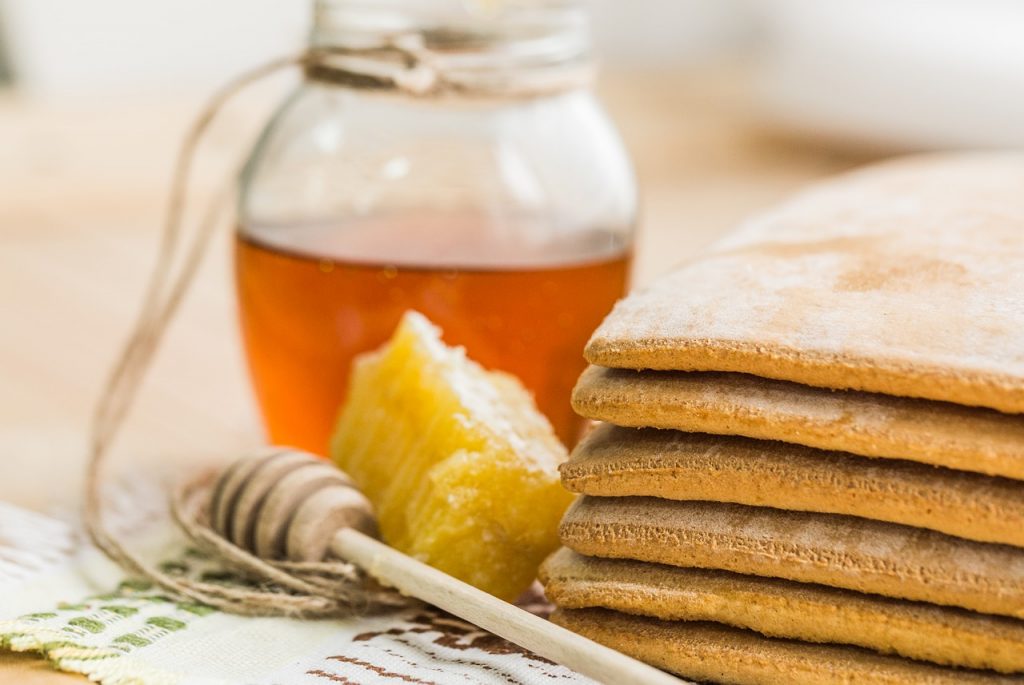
416, 579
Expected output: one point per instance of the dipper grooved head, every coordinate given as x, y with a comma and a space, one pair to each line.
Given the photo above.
287, 504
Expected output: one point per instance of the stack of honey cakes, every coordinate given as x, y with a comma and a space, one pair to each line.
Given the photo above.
811, 466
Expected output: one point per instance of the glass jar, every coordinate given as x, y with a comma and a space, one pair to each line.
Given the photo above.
502, 208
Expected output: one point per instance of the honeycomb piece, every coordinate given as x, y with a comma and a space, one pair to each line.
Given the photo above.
461, 467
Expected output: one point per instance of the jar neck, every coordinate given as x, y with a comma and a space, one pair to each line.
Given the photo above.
483, 42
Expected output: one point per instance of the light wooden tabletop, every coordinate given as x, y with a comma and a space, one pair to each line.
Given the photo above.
84, 184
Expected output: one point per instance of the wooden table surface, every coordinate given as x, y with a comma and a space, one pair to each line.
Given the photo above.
83, 186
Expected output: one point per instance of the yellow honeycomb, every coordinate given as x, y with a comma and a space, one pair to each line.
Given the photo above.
461, 467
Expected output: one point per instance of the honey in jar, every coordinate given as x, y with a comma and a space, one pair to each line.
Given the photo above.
306, 315
502, 209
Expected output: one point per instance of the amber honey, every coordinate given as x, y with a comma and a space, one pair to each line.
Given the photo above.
304, 317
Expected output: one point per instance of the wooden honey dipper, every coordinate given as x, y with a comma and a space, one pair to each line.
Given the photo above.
292, 505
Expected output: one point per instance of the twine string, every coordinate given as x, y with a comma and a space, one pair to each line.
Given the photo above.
306, 590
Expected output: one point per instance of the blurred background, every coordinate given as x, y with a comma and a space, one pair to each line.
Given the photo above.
913, 73
726, 106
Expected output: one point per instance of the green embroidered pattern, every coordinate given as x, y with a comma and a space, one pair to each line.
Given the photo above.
97, 636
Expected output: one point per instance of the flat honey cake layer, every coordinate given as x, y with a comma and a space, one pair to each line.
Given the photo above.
904, 278
869, 424
838, 551
782, 608
712, 652
620, 462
